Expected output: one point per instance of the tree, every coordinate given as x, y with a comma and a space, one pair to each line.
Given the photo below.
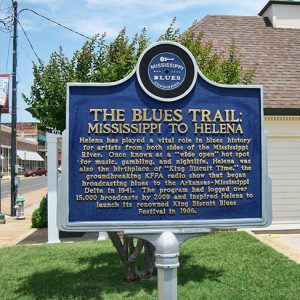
96, 61
221, 67
99, 61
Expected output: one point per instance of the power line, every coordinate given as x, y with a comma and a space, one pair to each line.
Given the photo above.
5, 30
50, 20
6, 8
6, 22
7, 26
31, 46
26, 52
6, 19
57, 23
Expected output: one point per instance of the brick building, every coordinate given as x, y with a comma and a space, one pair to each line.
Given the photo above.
28, 155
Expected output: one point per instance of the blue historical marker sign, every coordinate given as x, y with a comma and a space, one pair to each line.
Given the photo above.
164, 148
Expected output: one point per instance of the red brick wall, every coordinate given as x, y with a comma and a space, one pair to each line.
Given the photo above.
6, 141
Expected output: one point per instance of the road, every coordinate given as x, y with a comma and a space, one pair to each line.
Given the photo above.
28, 184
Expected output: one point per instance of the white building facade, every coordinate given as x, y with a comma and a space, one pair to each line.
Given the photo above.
271, 41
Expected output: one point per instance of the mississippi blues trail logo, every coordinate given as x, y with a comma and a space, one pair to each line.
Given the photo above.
166, 71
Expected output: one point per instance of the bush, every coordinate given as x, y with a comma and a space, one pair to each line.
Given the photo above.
39, 217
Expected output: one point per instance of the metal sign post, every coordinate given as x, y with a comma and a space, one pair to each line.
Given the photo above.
167, 258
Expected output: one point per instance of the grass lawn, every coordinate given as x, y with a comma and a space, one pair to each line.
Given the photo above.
218, 266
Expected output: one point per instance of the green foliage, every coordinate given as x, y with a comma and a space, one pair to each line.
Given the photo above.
100, 61
96, 61
39, 217
171, 33
218, 66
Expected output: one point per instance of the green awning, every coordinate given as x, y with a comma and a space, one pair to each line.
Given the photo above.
41, 137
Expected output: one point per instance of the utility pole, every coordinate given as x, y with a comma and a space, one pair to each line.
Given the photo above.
14, 113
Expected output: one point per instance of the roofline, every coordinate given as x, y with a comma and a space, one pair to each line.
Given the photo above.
281, 111
277, 2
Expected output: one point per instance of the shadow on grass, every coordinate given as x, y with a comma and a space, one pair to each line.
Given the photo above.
97, 276
40, 236
196, 273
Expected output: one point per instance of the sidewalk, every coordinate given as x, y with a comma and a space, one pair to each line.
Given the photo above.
7, 177
14, 231
20, 232
287, 244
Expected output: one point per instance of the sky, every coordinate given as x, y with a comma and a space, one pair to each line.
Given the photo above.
90, 17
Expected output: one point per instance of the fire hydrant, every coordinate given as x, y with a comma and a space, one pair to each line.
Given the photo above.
20, 207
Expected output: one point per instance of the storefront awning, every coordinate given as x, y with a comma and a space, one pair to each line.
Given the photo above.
28, 155
41, 137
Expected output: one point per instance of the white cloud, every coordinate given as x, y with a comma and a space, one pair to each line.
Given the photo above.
161, 6
161, 26
44, 2
29, 24
141, 11
98, 16
156, 15
49, 5
95, 25
140, 8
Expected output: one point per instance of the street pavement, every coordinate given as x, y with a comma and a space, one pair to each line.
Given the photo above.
27, 184
15, 231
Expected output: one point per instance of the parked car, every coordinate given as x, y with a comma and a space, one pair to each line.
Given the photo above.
38, 171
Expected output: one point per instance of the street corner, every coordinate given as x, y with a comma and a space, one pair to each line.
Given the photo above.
14, 231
